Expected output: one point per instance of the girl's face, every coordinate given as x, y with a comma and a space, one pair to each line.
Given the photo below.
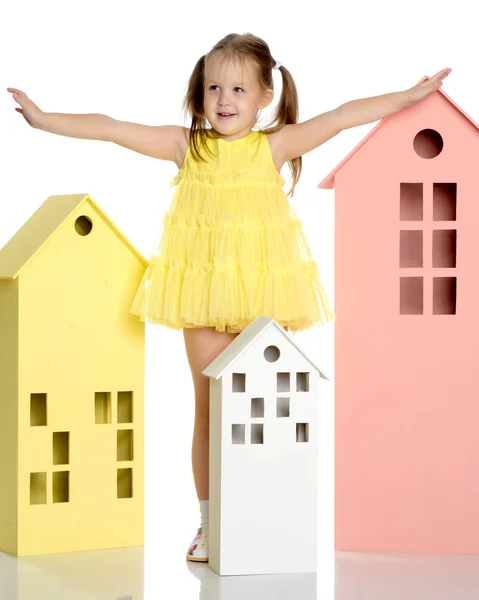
232, 88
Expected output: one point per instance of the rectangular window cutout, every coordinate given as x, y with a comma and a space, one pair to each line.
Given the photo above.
38, 410
102, 408
61, 486
239, 382
38, 488
410, 249
411, 296
238, 433
257, 433
283, 382
411, 202
302, 432
257, 407
124, 443
444, 248
444, 295
125, 483
302, 382
61, 447
444, 201
282, 407
125, 407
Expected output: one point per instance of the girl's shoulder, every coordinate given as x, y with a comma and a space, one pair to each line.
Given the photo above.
182, 146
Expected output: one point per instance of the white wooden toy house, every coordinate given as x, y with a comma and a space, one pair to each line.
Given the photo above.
264, 394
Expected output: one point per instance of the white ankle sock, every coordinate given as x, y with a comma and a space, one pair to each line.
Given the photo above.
204, 510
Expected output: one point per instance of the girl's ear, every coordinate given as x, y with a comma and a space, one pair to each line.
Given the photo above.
267, 98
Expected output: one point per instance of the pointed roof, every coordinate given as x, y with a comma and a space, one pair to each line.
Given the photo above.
243, 342
328, 182
22, 248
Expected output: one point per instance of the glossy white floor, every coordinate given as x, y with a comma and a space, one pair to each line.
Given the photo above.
120, 575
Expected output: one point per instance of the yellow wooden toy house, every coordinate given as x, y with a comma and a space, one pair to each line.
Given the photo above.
71, 383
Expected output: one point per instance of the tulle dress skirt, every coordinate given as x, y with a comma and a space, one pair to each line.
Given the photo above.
232, 248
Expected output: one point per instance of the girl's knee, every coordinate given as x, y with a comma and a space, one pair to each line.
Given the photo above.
202, 400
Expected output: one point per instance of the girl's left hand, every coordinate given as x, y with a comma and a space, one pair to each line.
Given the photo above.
419, 92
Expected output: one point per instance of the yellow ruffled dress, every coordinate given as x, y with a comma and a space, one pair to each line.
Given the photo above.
232, 247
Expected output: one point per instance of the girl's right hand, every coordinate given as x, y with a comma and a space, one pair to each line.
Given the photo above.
29, 110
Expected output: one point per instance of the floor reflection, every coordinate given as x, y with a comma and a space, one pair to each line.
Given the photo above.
119, 575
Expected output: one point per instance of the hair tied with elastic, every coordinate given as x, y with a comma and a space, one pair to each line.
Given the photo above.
277, 65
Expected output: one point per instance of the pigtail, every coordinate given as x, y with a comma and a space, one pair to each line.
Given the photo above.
287, 112
193, 105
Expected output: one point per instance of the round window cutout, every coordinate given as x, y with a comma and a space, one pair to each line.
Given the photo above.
428, 143
271, 353
83, 225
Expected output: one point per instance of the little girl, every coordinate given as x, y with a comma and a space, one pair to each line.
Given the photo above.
232, 247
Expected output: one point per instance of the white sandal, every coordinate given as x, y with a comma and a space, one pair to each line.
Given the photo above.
198, 550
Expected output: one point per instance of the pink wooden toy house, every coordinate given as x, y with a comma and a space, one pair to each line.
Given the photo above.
407, 334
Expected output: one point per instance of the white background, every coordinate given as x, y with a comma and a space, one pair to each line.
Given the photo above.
132, 61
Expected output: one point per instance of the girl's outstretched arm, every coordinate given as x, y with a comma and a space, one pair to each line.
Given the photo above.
299, 138
162, 141
367, 110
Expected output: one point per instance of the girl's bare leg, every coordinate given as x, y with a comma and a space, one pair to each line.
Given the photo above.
203, 344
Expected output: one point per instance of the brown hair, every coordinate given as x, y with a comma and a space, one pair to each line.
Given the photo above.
243, 47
